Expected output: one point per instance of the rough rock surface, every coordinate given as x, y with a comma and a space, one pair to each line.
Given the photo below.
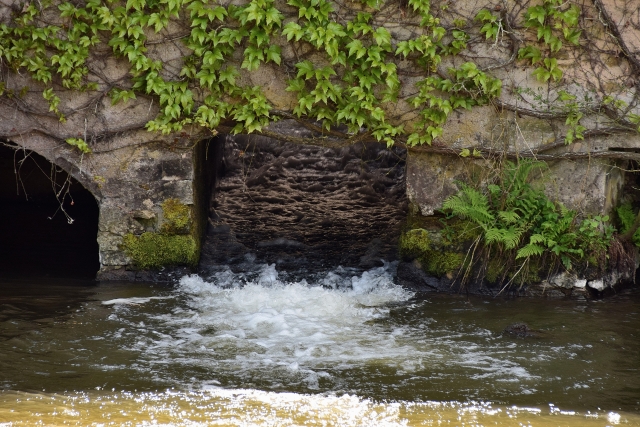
306, 208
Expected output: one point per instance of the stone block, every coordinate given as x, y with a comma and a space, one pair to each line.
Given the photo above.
113, 220
431, 178
114, 258
115, 274
109, 242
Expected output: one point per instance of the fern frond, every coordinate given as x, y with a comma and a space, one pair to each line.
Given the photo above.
509, 217
493, 235
512, 237
495, 190
470, 204
626, 216
509, 237
524, 168
536, 238
530, 250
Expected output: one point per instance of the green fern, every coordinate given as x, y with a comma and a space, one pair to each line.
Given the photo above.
510, 217
470, 204
626, 218
530, 250
512, 211
509, 237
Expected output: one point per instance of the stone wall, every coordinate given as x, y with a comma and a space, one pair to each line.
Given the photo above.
132, 172
591, 186
130, 183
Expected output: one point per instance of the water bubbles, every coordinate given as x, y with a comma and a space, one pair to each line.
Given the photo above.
613, 418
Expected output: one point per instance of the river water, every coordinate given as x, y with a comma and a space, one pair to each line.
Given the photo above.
340, 348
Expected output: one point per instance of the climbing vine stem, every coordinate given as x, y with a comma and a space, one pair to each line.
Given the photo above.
383, 70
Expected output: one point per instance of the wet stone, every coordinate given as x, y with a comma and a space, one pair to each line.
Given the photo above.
304, 207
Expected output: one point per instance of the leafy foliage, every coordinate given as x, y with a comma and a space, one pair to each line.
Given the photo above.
521, 222
353, 88
347, 78
626, 218
79, 143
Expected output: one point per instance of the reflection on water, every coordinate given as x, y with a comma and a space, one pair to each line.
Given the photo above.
258, 408
344, 349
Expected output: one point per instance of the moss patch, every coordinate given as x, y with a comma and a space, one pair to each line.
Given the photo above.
414, 243
177, 217
175, 244
154, 250
417, 244
440, 263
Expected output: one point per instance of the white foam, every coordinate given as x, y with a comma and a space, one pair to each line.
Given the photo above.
613, 418
294, 322
264, 329
131, 301
296, 329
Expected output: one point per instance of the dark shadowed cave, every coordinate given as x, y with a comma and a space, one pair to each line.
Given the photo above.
36, 237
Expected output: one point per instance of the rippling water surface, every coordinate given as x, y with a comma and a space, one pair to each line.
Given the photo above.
340, 348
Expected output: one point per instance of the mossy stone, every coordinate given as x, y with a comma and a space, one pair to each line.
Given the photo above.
175, 244
154, 250
417, 244
177, 217
414, 243
440, 263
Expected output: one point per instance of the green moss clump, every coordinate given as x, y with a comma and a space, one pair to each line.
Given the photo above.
154, 250
417, 244
440, 263
175, 244
177, 217
414, 243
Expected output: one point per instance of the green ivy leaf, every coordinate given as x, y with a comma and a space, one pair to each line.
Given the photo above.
536, 15
382, 37
273, 54
542, 74
80, 144
530, 52
305, 69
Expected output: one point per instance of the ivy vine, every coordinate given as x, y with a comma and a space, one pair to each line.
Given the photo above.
348, 80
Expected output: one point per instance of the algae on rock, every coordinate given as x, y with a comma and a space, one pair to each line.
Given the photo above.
174, 244
177, 217
417, 244
155, 250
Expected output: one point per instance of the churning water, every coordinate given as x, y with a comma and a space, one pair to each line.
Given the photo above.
342, 348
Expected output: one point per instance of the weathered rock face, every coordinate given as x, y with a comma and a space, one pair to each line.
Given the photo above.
305, 207
591, 186
130, 184
286, 202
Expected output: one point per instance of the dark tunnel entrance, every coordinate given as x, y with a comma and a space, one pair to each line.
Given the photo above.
48, 221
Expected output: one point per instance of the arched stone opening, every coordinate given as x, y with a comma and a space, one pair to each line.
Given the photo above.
48, 220
305, 207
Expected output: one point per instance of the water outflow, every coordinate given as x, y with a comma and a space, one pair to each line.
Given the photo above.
360, 333
339, 348
261, 330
